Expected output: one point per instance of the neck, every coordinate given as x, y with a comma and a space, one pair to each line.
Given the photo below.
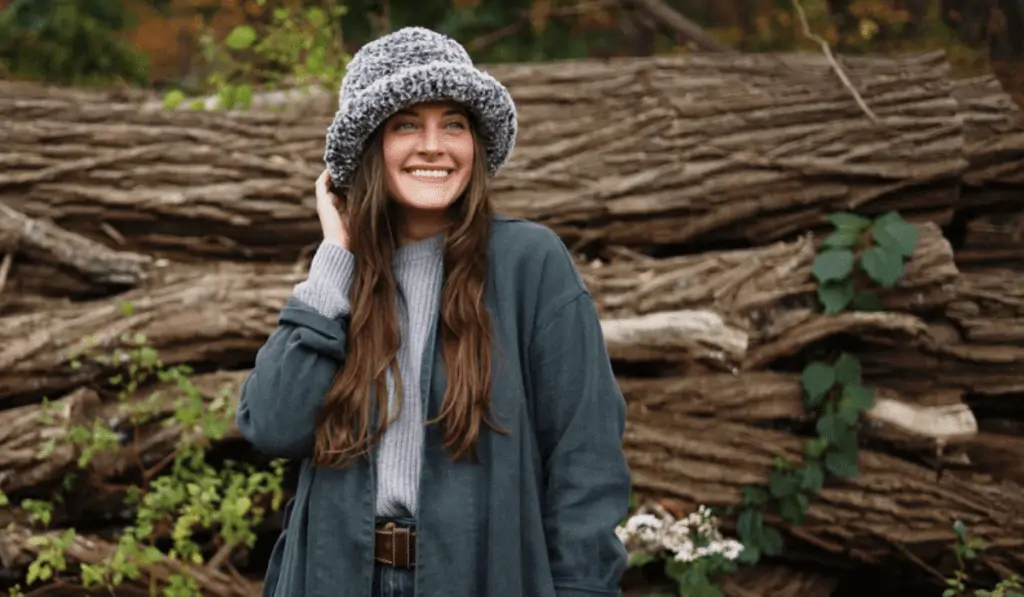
421, 225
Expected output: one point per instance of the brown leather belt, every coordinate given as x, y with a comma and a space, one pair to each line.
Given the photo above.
394, 545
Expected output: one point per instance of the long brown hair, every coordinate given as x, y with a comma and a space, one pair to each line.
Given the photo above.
344, 428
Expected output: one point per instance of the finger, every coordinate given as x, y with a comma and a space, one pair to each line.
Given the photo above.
321, 181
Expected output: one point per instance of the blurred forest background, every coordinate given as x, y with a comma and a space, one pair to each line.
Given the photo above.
168, 43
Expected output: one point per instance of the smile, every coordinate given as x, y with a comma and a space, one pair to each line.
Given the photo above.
432, 174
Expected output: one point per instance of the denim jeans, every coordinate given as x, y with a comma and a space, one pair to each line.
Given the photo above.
389, 581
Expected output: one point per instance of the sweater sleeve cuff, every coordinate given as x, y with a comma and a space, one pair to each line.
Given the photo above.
330, 274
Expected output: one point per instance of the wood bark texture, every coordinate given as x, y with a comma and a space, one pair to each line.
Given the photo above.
727, 310
642, 152
692, 191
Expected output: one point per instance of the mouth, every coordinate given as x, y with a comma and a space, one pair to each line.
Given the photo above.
430, 174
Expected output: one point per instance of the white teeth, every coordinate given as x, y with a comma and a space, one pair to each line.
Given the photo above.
430, 173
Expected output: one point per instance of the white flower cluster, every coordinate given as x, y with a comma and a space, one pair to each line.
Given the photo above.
652, 530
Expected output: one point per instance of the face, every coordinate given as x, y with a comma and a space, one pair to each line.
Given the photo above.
428, 155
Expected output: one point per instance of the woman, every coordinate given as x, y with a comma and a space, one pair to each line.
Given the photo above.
441, 373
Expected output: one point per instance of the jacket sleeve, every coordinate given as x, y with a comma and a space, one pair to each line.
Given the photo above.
580, 420
295, 368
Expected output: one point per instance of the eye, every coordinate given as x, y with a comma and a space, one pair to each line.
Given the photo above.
458, 124
403, 126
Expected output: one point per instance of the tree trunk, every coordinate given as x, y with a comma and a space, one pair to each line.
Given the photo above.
994, 131
891, 509
640, 152
994, 240
61, 263
989, 307
735, 311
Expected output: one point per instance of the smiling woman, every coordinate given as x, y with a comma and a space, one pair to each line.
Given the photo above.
429, 158
442, 371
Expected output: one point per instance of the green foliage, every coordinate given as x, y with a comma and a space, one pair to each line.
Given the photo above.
833, 392
180, 499
76, 42
881, 248
692, 549
697, 579
967, 548
298, 46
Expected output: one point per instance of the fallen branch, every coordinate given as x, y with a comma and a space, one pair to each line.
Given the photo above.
675, 23
827, 50
60, 252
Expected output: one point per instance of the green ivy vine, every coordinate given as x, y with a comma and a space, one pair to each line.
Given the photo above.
859, 255
179, 502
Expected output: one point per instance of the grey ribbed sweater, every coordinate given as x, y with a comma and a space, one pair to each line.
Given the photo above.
418, 271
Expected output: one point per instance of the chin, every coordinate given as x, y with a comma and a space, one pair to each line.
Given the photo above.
428, 197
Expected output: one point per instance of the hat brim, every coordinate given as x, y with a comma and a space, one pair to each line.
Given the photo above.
356, 119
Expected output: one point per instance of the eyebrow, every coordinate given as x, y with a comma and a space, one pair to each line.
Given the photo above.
449, 112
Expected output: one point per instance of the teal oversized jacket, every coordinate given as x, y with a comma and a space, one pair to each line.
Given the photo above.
534, 517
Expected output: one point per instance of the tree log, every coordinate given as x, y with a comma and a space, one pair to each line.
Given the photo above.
989, 307
778, 581
994, 240
199, 316
28, 432
62, 263
752, 398
994, 131
934, 356
891, 509
748, 309
769, 145
17, 550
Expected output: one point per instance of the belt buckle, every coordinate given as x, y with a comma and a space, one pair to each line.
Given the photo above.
396, 530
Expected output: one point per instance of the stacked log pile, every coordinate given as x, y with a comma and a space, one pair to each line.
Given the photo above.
693, 191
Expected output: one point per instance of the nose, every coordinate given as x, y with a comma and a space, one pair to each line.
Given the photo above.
430, 142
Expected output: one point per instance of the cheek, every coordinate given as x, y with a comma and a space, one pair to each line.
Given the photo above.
465, 155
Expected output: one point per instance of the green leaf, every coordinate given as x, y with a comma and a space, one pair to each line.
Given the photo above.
832, 264
751, 554
794, 508
173, 99
841, 239
771, 541
812, 476
754, 496
835, 296
847, 369
638, 560
842, 464
894, 234
855, 400
960, 529
814, 447
867, 301
883, 266
316, 17
845, 220
817, 379
226, 97
243, 96
749, 524
242, 37
831, 428
949, 593
783, 482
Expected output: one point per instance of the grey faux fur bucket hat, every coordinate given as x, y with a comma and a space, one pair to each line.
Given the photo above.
403, 68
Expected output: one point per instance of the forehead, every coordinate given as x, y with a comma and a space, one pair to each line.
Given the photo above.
435, 107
